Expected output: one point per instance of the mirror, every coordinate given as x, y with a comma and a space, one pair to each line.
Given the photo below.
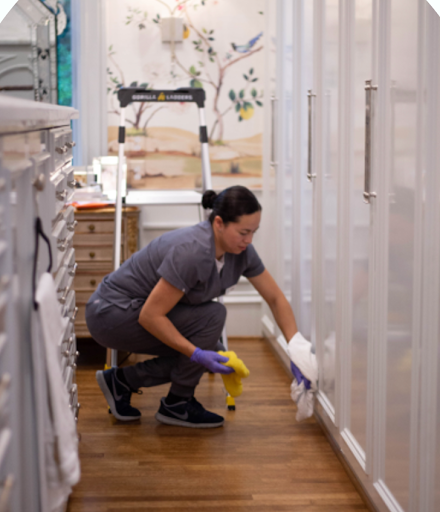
28, 59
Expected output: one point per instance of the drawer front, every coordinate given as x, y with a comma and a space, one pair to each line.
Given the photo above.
95, 226
81, 330
56, 142
61, 285
88, 281
81, 317
69, 217
61, 144
93, 239
83, 296
70, 182
59, 183
94, 253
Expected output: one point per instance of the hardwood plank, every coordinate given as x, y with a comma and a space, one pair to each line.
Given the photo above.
262, 459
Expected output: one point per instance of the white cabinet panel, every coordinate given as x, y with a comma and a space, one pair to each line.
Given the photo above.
401, 211
360, 218
329, 101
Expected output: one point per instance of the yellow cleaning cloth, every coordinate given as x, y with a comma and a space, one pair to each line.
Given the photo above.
232, 381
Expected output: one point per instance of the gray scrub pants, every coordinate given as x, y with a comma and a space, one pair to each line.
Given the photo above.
117, 328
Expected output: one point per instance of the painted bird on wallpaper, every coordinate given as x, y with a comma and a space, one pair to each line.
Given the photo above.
245, 48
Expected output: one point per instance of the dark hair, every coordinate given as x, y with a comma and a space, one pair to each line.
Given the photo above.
230, 204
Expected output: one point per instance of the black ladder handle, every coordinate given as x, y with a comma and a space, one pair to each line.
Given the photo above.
39, 232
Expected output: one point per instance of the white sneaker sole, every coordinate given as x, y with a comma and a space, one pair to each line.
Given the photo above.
110, 400
181, 423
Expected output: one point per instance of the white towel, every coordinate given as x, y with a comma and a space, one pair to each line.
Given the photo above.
300, 353
62, 460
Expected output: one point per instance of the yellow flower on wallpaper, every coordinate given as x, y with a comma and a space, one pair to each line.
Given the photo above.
186, 32
247, 111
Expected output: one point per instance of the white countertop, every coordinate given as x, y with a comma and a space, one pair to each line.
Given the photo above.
162, 197
17, 115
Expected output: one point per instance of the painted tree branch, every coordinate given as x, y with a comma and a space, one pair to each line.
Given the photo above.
151, 116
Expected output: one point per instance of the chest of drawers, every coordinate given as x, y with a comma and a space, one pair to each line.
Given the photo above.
93, 243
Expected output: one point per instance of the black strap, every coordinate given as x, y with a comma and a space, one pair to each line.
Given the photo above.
39, 232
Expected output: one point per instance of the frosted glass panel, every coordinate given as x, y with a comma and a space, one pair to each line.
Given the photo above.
329, 195
304, 317
403, 136
285, 131
360, 218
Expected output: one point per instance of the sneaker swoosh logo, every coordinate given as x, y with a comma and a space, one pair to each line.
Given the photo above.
177, 415
118, 397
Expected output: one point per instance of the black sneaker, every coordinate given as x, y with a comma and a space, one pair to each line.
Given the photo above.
188, 414
117, 395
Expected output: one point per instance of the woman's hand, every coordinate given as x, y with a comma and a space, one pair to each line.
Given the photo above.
212, 361
153, 317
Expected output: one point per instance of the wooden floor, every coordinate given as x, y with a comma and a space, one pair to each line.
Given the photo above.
261, 460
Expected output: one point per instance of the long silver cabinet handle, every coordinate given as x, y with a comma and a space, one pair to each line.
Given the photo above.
310, 174
369, 116
273, 162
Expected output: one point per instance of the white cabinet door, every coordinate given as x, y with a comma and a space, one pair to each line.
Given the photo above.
358, 270
327, 174
400, 225
302, 141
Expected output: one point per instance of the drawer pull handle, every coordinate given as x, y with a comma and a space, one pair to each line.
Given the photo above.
92, 227
64, 291
73, 317
62, 244
78, 406
93, 282
72, 183
73, 389
66, 353
61, 150
72, 225
72, 270
61, 196
69, 341
71, 144
92, 254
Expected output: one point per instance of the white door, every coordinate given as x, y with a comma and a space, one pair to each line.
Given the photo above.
358, 269
327, 174
400, 225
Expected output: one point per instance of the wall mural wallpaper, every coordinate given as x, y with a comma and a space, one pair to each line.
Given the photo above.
221, 51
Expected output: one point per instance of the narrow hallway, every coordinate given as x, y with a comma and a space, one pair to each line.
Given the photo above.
261, 460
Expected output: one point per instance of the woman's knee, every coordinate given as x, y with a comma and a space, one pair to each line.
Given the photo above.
217, 314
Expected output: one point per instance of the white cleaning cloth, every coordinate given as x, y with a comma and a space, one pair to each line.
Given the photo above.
300, 353
62, 461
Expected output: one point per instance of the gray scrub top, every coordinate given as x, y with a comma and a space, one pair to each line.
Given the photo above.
186, 259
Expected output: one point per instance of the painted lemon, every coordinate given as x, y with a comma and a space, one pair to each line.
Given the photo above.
185, 32
248, 112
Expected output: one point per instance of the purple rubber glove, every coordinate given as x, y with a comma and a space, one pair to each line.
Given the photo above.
299, 376
211, 360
